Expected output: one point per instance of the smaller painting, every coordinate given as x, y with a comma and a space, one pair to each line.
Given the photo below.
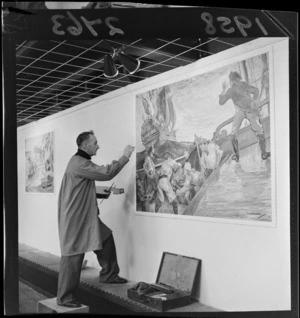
39, 169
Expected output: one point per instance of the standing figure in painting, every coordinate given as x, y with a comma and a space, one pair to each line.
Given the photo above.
246, 107
164, 186
151, 178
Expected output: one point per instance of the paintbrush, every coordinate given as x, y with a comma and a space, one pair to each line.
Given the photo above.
107, 191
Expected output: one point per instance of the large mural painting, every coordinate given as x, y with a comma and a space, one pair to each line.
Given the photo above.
204, 145
39, 164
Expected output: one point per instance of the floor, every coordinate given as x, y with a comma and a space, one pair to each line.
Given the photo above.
29, 296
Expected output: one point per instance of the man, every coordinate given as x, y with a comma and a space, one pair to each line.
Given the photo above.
80, 229
246, 107
164, 186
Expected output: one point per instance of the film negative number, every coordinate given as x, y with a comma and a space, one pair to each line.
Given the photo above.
241, 22
77, 28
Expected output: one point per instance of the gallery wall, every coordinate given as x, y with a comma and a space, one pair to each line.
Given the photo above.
245, 267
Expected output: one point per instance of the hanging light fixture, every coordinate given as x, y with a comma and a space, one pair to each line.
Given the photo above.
110, 69
131, 64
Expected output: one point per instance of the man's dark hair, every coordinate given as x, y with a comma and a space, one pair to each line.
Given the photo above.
83, 136
234, 76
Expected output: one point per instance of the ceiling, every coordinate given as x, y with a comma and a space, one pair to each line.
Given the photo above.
52, 76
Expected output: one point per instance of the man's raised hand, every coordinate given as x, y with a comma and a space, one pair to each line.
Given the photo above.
128, 151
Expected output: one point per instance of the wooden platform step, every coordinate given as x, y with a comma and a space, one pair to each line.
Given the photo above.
49, 306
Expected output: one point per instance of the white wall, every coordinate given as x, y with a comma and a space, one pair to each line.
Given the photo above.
244, 268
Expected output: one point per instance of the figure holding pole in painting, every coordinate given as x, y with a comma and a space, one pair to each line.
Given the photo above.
186, 190
164, 186
244, 97
140, 194
151, 178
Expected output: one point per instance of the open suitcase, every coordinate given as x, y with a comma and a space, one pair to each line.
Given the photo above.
174, 283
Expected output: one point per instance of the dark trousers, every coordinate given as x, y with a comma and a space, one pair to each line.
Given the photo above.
70, 269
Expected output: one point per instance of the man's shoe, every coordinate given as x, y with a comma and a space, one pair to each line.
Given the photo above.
116, 280
71, 304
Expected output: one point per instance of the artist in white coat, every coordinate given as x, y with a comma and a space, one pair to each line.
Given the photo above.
80, 229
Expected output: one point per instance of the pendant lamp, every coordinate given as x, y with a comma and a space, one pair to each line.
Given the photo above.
131, 64
110, 69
